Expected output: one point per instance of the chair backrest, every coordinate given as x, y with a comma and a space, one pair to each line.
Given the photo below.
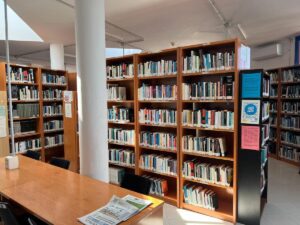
136, 183
6, 215
33, 154
62, 163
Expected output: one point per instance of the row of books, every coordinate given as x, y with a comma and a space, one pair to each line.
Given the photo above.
24, 93
290, 137
120, 114
290, 153
273, 133
273, 92
116, 175
120, 71
291, 91
157, 68
198, 61
291, 75
274, 77
114, 92
25, 110
159, 163
215, 146
208, 118
222, 89
266, 87
122, 156
21, 75
53, 79
290, 107
24, 126
54, 140
273, 106
158, 186
54, 125
208, 173
158, 116
32, 144
52, 94
51, 110
290, 122
157, 92
265, 110
199, 196
265, 134
273, 120
121, 136
158, 140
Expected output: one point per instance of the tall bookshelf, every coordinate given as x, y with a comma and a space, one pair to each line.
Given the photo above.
37, 84
147, 79
159, 70
286, 147
118, 75
227, 194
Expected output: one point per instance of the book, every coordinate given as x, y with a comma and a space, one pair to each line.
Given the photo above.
158, 116
123, 70
54, 140
157, 92
52, 110
160, 140
23, 146
52, 94
24, 93
159, 163
120, 114
121, 136
158, 186
157, 68
116, 175
22, 75
115, 92
58, 79
122, 156
53, 125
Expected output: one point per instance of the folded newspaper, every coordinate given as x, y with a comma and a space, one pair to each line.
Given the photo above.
116, 211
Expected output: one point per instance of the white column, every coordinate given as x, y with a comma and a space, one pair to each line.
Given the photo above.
57, 57
91, 86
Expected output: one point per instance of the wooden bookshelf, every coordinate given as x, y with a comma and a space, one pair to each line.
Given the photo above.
38, 84
278, 143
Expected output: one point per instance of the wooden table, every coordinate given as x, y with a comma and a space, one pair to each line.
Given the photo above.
59, 196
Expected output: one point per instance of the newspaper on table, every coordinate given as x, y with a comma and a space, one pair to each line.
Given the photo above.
116, 211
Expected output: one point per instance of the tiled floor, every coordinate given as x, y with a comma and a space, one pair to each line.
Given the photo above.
283, 207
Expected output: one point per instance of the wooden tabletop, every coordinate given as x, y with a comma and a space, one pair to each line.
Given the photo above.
59, 196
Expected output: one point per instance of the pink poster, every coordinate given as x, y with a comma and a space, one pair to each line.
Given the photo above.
250, 137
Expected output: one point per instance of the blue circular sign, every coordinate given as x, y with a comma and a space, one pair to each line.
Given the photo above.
250, 109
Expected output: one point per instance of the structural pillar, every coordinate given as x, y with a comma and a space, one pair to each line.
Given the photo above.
91, 86
57, 57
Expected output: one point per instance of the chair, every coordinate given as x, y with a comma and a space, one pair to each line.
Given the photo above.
62, 163
6, 215
136, 183
32, 154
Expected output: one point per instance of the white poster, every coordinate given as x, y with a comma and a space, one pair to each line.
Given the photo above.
68, 96
68, 110
3, 121
250, 111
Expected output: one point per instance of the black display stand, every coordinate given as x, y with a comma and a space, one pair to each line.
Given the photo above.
252, 159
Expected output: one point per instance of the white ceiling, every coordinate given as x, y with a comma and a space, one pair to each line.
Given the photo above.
161, 22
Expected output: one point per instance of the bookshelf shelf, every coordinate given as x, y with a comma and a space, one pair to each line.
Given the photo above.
119, 79
158, 173
54, 146
52, 100
25, 118
208, 129
290, 129
290, 144
158, 101
121, 144
290, 114
122, 165
226, 158
121, 123
158, 77
55, 85
209, 101
158, 149
53, 131
212, 73
170, 197
25, 101
23, 83
26, 135
52, 116
158, 125
120, 101
206, 183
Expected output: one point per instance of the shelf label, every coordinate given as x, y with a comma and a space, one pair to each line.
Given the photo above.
250, 112
251, 85
250, 137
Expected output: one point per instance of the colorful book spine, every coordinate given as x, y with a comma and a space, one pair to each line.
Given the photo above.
204, 145
208, 118
53, 125
290, 122
120, 114
53, 79
24, 93
158, 116
122, 157
157, 92
121, 136
222, 89
158, 186
52, 94
120, 71
32, 144
57, 139
157, 68
290, 137
52, 110
207, 173
290, 153
22, 75
159, 163
25, 110
198, 61
290, 107
114, 92
199, 196
290, 91
291, 75
158, 140
265, 110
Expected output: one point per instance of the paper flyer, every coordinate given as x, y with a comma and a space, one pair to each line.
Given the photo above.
251, 85
250, 137
250, 113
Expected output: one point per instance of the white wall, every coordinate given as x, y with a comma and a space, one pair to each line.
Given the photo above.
287, 58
